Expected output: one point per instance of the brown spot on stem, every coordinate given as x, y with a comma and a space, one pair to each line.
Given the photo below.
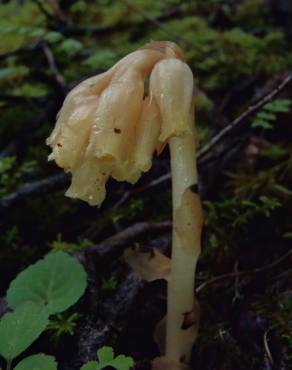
59, 145
117, 130
189, 320
182, 358
194, 189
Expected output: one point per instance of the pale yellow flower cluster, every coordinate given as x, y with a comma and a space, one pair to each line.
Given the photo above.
112, 123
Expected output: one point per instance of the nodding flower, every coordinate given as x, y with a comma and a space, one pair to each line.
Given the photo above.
111, 124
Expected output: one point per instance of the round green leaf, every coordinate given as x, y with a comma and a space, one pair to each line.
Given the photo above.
57, 282
19, 329
37, 362
91, 365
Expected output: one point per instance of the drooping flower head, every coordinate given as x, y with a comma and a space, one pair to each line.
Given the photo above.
111, 124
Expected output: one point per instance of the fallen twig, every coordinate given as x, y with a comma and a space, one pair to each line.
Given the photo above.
34, 188
218, 279
251, 110
53, 66
267, 349
113, 245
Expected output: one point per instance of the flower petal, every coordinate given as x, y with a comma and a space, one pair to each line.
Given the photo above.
171, 84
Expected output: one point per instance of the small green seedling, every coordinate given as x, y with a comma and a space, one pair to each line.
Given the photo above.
106, 358
61, 324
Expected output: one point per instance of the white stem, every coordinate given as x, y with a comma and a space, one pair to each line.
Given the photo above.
184, 257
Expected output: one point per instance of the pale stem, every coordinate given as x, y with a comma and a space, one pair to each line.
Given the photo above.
180, 291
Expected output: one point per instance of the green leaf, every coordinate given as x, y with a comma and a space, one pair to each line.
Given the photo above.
278, 106
105, 355
275, 151
53, 36
57, 282
106, 358
266, 116
261, 123
71, 46
91, 365
100, 59
122, 362
19, 329
37, 362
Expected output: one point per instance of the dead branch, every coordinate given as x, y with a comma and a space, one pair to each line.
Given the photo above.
236, 274
52, 65
34, 188
251, 110
267, 349
113, 245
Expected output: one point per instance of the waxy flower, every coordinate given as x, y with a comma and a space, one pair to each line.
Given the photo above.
110, 126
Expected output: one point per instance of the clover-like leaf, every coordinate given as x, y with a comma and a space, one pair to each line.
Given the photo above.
37, 362
106, 358
122, 362
91, 365
57, 282
105, 355
19, 329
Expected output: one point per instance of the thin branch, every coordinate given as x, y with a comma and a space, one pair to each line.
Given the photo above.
113, 245
53, 66
34, 188
220, 278
267, 349
251, 110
